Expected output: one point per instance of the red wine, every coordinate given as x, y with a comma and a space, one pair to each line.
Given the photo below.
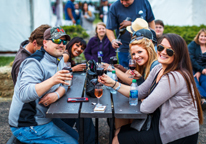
100, 71
114, 61
98, 92
132, 67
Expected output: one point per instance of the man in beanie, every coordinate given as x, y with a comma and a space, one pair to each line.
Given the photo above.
39, 83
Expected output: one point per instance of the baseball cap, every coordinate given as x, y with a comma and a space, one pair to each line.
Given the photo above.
141, 34
138, 24
55, 33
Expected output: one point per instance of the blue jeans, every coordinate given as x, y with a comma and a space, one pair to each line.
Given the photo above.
124, 58
201, 85
47, 133
89, 130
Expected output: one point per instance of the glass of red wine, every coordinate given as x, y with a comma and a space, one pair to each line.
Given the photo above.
100, 70
115, 60
118, 41
132, 66
98, 92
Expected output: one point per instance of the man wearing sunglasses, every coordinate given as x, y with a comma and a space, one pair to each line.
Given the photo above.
116, 20
39, 83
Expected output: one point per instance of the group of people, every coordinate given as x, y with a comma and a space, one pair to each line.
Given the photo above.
164, 73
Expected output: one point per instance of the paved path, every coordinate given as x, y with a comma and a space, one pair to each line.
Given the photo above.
5, 132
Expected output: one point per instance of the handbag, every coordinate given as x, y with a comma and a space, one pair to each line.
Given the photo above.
142, 124
91, 78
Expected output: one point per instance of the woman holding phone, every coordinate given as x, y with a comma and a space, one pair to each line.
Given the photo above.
170, 94
73, 49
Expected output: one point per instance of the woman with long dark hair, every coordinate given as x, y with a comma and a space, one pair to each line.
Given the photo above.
73, 49
170, 94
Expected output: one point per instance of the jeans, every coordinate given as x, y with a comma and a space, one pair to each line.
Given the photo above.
124, 58
89, 130
201, 85
47, 133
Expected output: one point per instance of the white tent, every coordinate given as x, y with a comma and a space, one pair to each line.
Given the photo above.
180, 12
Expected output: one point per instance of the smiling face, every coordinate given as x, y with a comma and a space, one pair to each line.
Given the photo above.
101, 31
53, 49
139, 54
159, 30
162, 56
77, 49
85, 7
202, 38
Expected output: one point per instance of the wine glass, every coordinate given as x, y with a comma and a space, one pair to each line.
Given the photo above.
98, 92
119, 43
132, 66
115, 60
100, 69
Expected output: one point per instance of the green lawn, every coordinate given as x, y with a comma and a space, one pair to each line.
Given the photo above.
6, 60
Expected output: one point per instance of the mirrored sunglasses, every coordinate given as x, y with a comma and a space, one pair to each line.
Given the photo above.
169, 51
58, 41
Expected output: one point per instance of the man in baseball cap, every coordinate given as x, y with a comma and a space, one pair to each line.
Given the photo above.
55, 33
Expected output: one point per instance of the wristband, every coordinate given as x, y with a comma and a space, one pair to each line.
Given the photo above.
112, 40
118, 87
57, 94
114, 84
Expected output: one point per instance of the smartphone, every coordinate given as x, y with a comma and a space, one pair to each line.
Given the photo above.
82, 99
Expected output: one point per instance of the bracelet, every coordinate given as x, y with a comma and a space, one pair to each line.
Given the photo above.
57, 94
114, 84
118, 87
112, 40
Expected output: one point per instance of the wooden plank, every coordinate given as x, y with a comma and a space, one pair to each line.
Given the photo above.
87, 110
122, 108
63, 109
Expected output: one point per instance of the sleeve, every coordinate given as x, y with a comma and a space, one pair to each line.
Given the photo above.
112, 22
149, 14
15, 70
195, 65
87, 51
30, 74
163, 91
68, 5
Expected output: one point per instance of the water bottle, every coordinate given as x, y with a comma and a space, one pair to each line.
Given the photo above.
109, 72
133, 98
114, 77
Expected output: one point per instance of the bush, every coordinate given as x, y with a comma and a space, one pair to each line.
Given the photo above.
75, 31
187, 32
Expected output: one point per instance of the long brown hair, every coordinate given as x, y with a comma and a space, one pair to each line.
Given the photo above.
183, 65
152, 56
196, 39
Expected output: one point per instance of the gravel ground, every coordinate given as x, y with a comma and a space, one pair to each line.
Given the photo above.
5, 132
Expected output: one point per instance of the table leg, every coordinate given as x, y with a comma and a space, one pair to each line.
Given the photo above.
81, 133
111, 133
96, 130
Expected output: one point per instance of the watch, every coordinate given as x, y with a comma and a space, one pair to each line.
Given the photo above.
118, 87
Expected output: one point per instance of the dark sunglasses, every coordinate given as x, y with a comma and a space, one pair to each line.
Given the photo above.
137, 38
58, 41
169, 51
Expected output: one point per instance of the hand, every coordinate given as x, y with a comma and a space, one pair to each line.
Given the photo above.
73, 20
120, 67
115, 44
106, 65
48, 99
135, 73
106, 80
101, 16
204, 71
197, 75
85, 16
125, 24
60, 77
79, 67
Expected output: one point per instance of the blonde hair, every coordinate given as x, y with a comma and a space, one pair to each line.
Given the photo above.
196, 39
99, 23
152, 56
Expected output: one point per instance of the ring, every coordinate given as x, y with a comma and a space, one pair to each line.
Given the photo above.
45, 103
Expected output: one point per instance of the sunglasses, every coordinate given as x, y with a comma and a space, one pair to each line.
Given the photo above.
169, 51
58, 41
137, 38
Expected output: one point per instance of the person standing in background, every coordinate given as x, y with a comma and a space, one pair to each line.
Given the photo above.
159, 28
78, 13
104, 9
69, 11
118, 12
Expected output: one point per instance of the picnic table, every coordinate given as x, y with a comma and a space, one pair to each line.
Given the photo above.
117, 106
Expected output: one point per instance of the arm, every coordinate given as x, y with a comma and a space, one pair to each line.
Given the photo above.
69, 11
91, 19
162, 92
152, 25
111, 37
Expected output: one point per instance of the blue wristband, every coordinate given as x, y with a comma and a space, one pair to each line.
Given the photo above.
57, 94
118, 87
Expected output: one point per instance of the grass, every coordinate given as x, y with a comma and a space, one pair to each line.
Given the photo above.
6, 60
